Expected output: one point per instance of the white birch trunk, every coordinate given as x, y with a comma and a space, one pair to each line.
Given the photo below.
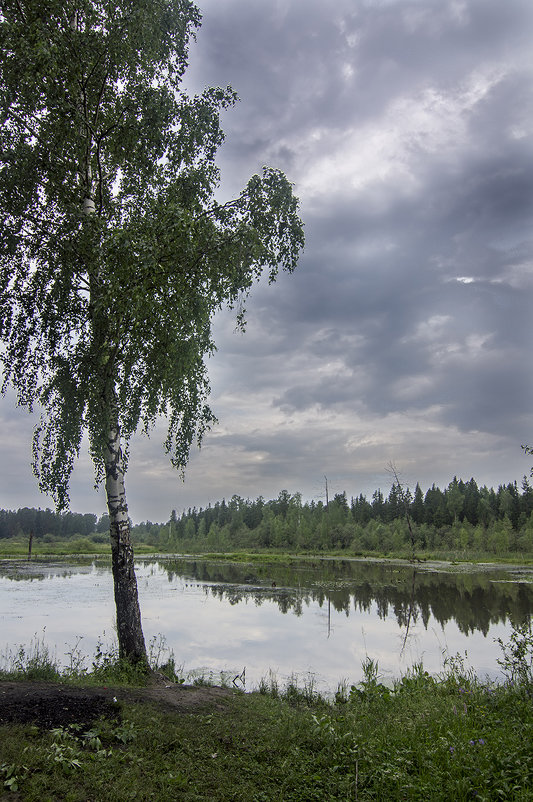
129, 629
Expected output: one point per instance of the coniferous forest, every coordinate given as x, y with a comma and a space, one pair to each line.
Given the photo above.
463, 518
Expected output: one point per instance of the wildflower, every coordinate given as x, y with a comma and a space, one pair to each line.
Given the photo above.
481, 742
472, 743
452, 749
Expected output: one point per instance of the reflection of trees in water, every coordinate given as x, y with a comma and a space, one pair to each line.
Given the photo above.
412, 615
474, 600
37, 570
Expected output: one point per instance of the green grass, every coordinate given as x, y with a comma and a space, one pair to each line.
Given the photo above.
37, 662
274, 556
18, 547
423, 740
445, 738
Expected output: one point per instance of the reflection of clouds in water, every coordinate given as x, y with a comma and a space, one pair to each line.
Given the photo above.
231, 625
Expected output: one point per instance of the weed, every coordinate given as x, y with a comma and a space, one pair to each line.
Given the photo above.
34, 662
456, 671
415, 679
369, 689
295, 692
157, 647
13, 775
109, 668
517, 661
301, 694
269, 686
77, 660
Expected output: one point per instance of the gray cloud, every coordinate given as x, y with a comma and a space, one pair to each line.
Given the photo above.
405, 332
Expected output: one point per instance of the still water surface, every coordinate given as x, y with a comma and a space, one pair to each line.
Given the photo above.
319, 618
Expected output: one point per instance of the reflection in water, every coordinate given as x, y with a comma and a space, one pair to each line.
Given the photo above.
43, 568
412, 616
320, 616
474, 600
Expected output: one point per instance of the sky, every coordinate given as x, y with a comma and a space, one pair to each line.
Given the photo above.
404, 335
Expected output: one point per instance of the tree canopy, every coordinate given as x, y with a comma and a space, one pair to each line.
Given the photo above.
114, 250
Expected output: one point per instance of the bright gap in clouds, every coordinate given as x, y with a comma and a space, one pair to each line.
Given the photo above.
433, 124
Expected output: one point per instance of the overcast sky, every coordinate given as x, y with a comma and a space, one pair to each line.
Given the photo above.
405, 333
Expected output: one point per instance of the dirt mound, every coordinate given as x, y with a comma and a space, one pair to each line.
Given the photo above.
51, 705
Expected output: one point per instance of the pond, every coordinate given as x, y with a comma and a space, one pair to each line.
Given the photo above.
314, 619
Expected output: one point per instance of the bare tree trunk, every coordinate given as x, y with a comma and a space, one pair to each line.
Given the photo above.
129, 629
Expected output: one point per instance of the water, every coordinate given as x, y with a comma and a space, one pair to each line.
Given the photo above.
314, 619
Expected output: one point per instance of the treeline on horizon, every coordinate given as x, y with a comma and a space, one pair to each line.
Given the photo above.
461, 517
52, 525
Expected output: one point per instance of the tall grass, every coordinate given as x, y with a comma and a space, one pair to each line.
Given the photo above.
38, 662
33, 662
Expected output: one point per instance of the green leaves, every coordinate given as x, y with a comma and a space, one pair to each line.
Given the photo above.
115, 254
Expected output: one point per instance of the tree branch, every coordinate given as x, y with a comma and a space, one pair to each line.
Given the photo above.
21, 11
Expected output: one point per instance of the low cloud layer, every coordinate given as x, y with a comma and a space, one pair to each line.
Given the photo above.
405, 333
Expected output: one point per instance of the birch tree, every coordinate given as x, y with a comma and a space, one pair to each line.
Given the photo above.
114, 252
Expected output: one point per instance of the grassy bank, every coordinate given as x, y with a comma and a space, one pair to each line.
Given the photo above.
18, 548
445, 556
424, 738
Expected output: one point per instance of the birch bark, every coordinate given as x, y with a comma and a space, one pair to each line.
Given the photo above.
129, 628
128, 614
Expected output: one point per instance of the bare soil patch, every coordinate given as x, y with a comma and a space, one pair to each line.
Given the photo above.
49, 705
